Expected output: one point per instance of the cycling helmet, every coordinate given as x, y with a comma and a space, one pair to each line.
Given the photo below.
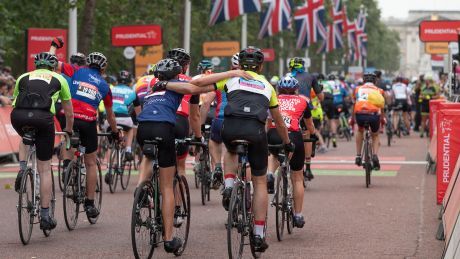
110, 80
369, 78
151, 69
321, 77
45, 59
331, 77
124, 77
251, 58
78, 59
297, 63
274, 80
288, 82
97, 60
167, 69
236, 61
204, 65
399, 79
180, 55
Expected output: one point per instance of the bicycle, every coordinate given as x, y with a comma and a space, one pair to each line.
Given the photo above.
389, 127
60, 166
118, 167
240, 221
204, 173
367, 153
28, 206
400, 126
146, 218
75, 185
137, 154
343, 130
313, 154
326, 131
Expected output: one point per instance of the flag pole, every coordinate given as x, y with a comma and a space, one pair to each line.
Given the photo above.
280, 59
323, 64
187, 25
72, 28
306, 58
244, 32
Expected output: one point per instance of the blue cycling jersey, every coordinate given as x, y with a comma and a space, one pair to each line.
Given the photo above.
123, 96
339, 93
161, 106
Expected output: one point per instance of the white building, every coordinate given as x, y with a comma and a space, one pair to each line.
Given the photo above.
414, 60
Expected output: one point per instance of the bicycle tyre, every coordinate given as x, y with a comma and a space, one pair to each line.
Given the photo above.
182, 230
126, 175
25, 207
137, 223
70, 200
52, 203
112, 169
60, 172
204, 183
97, 194
280, 216
368, 165
236, 223
288, 206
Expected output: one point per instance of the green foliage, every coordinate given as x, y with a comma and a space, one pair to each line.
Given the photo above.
382, 43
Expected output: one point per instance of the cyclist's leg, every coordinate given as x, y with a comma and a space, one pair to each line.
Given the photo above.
215, 143
146, 131
360, 121
18, 121
273, 163
296, 164
88, 139
44, 143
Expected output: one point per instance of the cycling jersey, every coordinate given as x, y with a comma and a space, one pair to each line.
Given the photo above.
143, 86
328, 90
184, 108
361, 96
123, 96
306, 83
248, 98
88, 88
161, 106
427, 92
400, 91
40, 89
221, 100
317, 110
338, 92
292, 108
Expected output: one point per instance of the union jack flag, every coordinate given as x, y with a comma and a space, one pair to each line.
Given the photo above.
226, 10
310, 20
276, 18
334, 30
361, 36
349, 28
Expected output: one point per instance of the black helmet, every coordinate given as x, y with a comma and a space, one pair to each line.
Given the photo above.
204, 65
296, 62
110, 79
96, 60
180, 55
45, 59
167, 69
124, 77
331, 77
321, 76
370, 78
251, 58
78, 58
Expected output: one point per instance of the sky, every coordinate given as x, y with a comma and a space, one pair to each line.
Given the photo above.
400, 8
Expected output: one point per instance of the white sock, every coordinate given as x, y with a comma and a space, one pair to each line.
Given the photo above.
229, 182
270, 173
128, 149
298, 214
259, 230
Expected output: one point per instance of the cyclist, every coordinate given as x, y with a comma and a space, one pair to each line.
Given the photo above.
428, 90
402, 102
248, 103
317, 116
144, 84
368, 109
307, 82
34, 95
293, 109
188, 114
157, 120
340, 95
88, 88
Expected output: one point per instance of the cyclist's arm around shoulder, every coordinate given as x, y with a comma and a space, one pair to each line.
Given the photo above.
214, 78
188, 88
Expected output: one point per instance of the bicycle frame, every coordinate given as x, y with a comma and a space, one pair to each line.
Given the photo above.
32, 160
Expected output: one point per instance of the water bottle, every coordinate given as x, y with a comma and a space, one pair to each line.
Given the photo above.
37, 185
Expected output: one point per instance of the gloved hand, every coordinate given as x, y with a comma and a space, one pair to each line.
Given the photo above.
115, 135
57, 43
159, 86
289, 148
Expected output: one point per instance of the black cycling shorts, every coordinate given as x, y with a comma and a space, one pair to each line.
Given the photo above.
88, 134
425, 107
181, 131
216, 130
210, 115
317, 123
250, 130
60, 116
372, 119
150, 130
43, 124
298, 158
401, 105
328, 108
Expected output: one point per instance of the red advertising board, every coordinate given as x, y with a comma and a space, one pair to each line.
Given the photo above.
39, 40
269, 54
136, 35
439, 31
448, 149
434, 104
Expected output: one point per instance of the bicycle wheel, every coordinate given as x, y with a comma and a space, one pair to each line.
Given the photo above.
113, 170
60, 173
70, 196
52, 202
197, 179
182, 211
204, 183
26, 207
97, 194
368, 165
236, 223
143, 225
280, 215
126, 174
288, 205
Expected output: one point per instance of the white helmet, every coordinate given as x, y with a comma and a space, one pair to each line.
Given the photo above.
236, 61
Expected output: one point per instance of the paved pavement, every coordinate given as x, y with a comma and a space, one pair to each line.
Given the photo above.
395, 218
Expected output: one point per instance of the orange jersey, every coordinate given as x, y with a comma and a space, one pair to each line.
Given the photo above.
292, 108
360, 95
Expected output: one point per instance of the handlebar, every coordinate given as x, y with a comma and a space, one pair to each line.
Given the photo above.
190, 141
67, 138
